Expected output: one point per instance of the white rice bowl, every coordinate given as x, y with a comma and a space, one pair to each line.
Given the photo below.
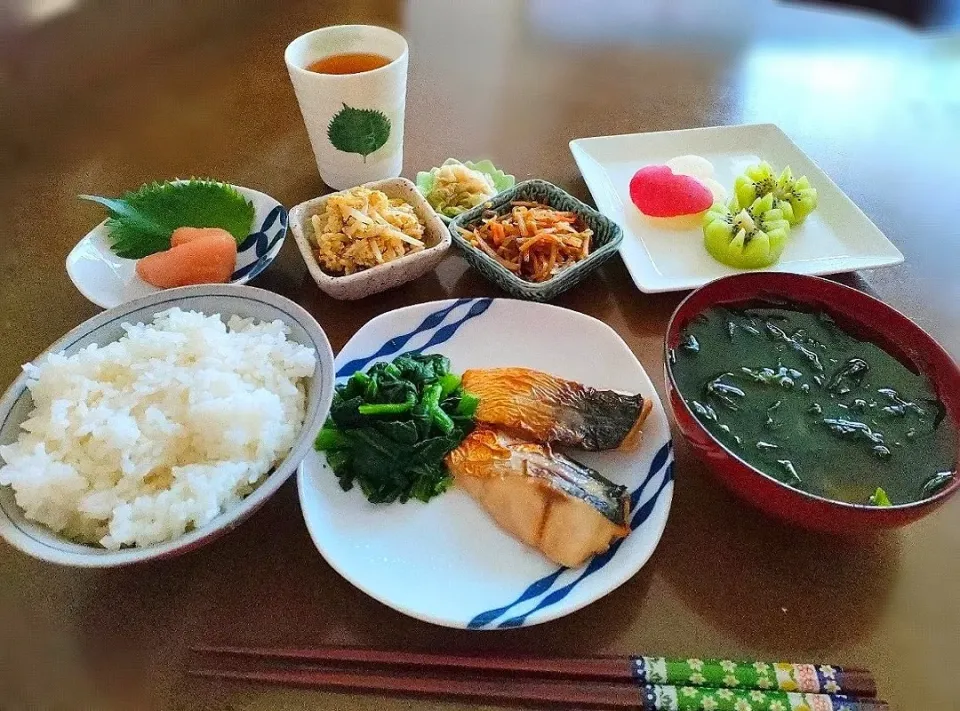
141, 440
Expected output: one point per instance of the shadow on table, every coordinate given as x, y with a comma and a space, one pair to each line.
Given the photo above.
772, 586
769, 585
128, 622
266, 584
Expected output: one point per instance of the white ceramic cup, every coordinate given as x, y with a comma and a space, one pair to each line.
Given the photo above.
344, 113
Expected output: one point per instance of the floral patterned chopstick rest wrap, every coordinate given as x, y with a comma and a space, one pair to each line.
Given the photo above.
763, 676
702, 698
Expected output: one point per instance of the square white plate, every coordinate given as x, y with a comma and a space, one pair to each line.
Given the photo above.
836, 237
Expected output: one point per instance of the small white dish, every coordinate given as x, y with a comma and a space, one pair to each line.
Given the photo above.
501, 181
108, 280
836, 237
446, 561
246, 301
383, 276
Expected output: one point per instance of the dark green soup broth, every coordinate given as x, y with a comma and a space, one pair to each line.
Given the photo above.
805, 402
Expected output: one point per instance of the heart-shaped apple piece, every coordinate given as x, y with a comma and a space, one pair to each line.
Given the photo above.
659, 192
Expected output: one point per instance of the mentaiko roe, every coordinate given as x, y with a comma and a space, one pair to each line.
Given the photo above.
197, 255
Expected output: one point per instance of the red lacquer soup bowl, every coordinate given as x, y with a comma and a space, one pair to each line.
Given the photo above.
860, 315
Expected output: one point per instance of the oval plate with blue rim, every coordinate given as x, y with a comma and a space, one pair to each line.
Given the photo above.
446, 561
108, 280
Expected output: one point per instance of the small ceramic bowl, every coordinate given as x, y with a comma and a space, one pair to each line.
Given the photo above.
108, 280
383, 276
501, 181
225, 299
857, 313
607, 236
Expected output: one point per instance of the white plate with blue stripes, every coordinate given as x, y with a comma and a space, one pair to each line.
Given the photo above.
108, 280
446, 561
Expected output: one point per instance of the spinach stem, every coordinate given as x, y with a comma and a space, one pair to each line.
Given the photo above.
388, 408
448, 383
467, 406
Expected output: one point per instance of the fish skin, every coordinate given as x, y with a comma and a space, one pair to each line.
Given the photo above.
546, 408
550, 502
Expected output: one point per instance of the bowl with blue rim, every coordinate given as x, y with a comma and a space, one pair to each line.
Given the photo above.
606, 240
109, 280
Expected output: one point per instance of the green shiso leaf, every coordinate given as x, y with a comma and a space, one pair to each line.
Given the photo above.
358, 130
142, 221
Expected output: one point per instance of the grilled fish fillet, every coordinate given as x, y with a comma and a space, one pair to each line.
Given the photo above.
555, 504
545, 408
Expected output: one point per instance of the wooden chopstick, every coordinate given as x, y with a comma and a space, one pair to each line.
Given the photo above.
596, 668
635, 670
507, 690
609, 695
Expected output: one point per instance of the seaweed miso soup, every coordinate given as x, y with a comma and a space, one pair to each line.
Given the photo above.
797, 397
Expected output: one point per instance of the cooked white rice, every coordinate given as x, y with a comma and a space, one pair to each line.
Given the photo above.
153, 435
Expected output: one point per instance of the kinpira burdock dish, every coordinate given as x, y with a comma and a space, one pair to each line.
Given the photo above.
535, 240
815, 401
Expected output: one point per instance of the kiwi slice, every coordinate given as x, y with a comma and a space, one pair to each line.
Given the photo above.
746, 237
795, 196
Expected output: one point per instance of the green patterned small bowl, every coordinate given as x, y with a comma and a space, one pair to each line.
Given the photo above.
607, 237
501, 181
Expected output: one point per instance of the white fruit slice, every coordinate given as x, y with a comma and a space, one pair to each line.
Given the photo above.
719, 192
695, 166
678, 223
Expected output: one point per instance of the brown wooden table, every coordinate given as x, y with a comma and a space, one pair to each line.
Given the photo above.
107, 96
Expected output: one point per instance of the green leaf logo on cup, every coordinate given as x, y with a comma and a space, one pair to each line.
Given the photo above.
353, 116
360, 131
